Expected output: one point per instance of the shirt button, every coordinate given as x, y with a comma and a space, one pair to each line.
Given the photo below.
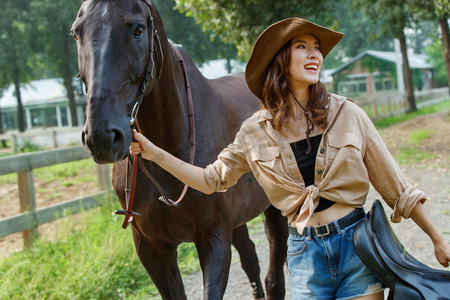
322, 150
319, 172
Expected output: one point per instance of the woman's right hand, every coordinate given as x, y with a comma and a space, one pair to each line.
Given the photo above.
142, 146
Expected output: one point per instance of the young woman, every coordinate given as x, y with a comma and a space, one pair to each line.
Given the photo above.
315, 154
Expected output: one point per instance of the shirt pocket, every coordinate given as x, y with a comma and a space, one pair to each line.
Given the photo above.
264, 154
266, 162
347, 144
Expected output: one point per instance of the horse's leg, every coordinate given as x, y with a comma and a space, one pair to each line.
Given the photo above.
214, 253
161, 264
249, 259
277, 232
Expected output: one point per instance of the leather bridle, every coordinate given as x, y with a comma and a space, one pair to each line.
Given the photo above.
137, 159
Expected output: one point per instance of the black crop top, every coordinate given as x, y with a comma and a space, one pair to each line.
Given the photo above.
307, 163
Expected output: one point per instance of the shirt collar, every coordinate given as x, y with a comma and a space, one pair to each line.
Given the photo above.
334, 107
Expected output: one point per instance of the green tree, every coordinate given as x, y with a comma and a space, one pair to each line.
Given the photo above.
186, 31
434, 52
240, 22
360, 34
433, 10
392, 17
16, 54
53, 20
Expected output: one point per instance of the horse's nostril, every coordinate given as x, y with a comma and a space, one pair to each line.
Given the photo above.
118, 137
83, 137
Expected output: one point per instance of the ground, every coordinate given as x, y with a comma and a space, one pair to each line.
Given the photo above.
429, 173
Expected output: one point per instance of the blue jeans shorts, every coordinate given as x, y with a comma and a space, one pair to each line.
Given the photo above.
328, 267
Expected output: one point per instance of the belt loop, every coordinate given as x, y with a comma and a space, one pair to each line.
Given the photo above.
309, 232
338, 228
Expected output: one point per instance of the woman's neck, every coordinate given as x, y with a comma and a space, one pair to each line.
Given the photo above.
299, 96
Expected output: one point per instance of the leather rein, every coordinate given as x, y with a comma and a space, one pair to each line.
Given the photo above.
137, 159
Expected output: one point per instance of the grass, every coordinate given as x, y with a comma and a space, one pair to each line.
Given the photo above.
96, 260
411, 154
419, 135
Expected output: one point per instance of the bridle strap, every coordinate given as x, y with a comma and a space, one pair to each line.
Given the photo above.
190, 103
151, 65
129, 194
137, 159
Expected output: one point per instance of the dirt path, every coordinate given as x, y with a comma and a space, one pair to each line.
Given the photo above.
430, 175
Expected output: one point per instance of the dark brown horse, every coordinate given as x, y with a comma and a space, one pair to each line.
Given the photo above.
117, 42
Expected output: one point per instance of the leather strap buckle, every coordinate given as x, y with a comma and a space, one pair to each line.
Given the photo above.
320, 232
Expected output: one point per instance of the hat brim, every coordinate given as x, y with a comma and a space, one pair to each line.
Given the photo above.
274, 37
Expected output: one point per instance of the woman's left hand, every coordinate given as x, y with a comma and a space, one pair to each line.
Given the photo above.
442, 252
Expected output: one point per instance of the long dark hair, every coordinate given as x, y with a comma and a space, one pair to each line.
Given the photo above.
275, 92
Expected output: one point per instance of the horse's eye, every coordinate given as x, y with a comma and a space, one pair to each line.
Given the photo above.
75, 37
139, 32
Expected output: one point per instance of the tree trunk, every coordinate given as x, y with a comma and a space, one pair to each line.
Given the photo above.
446, 46
71, 96
229, 68
409, 86
69, 85
3, 142
20, 114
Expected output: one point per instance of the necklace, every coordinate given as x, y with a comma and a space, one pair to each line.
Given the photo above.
309, 123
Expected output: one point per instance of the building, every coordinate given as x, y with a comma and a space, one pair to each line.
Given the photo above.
45, 105
375, 71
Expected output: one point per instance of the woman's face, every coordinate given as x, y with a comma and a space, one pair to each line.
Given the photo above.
306, 61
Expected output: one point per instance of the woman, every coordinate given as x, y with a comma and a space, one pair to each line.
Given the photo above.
315, 154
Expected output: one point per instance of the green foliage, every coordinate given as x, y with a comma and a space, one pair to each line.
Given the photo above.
200, 45
29, 146
93, 260
391, 16
16, 54
436, 58
429, 9
240, 22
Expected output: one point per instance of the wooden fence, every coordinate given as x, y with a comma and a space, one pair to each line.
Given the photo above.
46, 138
30, 218
389, 104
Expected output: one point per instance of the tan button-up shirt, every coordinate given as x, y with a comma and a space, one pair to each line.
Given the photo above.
351, 156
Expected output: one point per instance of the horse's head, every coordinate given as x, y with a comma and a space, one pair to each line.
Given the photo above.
113, 40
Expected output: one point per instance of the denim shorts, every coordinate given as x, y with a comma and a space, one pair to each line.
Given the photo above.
328, 267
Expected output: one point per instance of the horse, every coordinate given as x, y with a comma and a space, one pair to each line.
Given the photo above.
131, 70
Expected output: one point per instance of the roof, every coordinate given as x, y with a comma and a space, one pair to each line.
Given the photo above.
36, 92
416, 61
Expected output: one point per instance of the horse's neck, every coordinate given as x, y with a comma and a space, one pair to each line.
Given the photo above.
164, 113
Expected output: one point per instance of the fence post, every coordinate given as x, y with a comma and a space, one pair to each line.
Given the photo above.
15, 143
53, 137
27, 203
104, 177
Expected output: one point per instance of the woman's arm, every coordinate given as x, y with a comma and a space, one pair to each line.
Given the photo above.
423, 220
189, 174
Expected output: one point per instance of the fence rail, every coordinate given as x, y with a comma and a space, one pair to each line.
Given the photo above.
28, 221
46, 138
389, 104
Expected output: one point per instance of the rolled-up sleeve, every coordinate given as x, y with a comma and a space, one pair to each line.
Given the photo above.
387, 178
229, 166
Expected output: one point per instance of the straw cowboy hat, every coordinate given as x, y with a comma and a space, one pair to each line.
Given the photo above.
274, 37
